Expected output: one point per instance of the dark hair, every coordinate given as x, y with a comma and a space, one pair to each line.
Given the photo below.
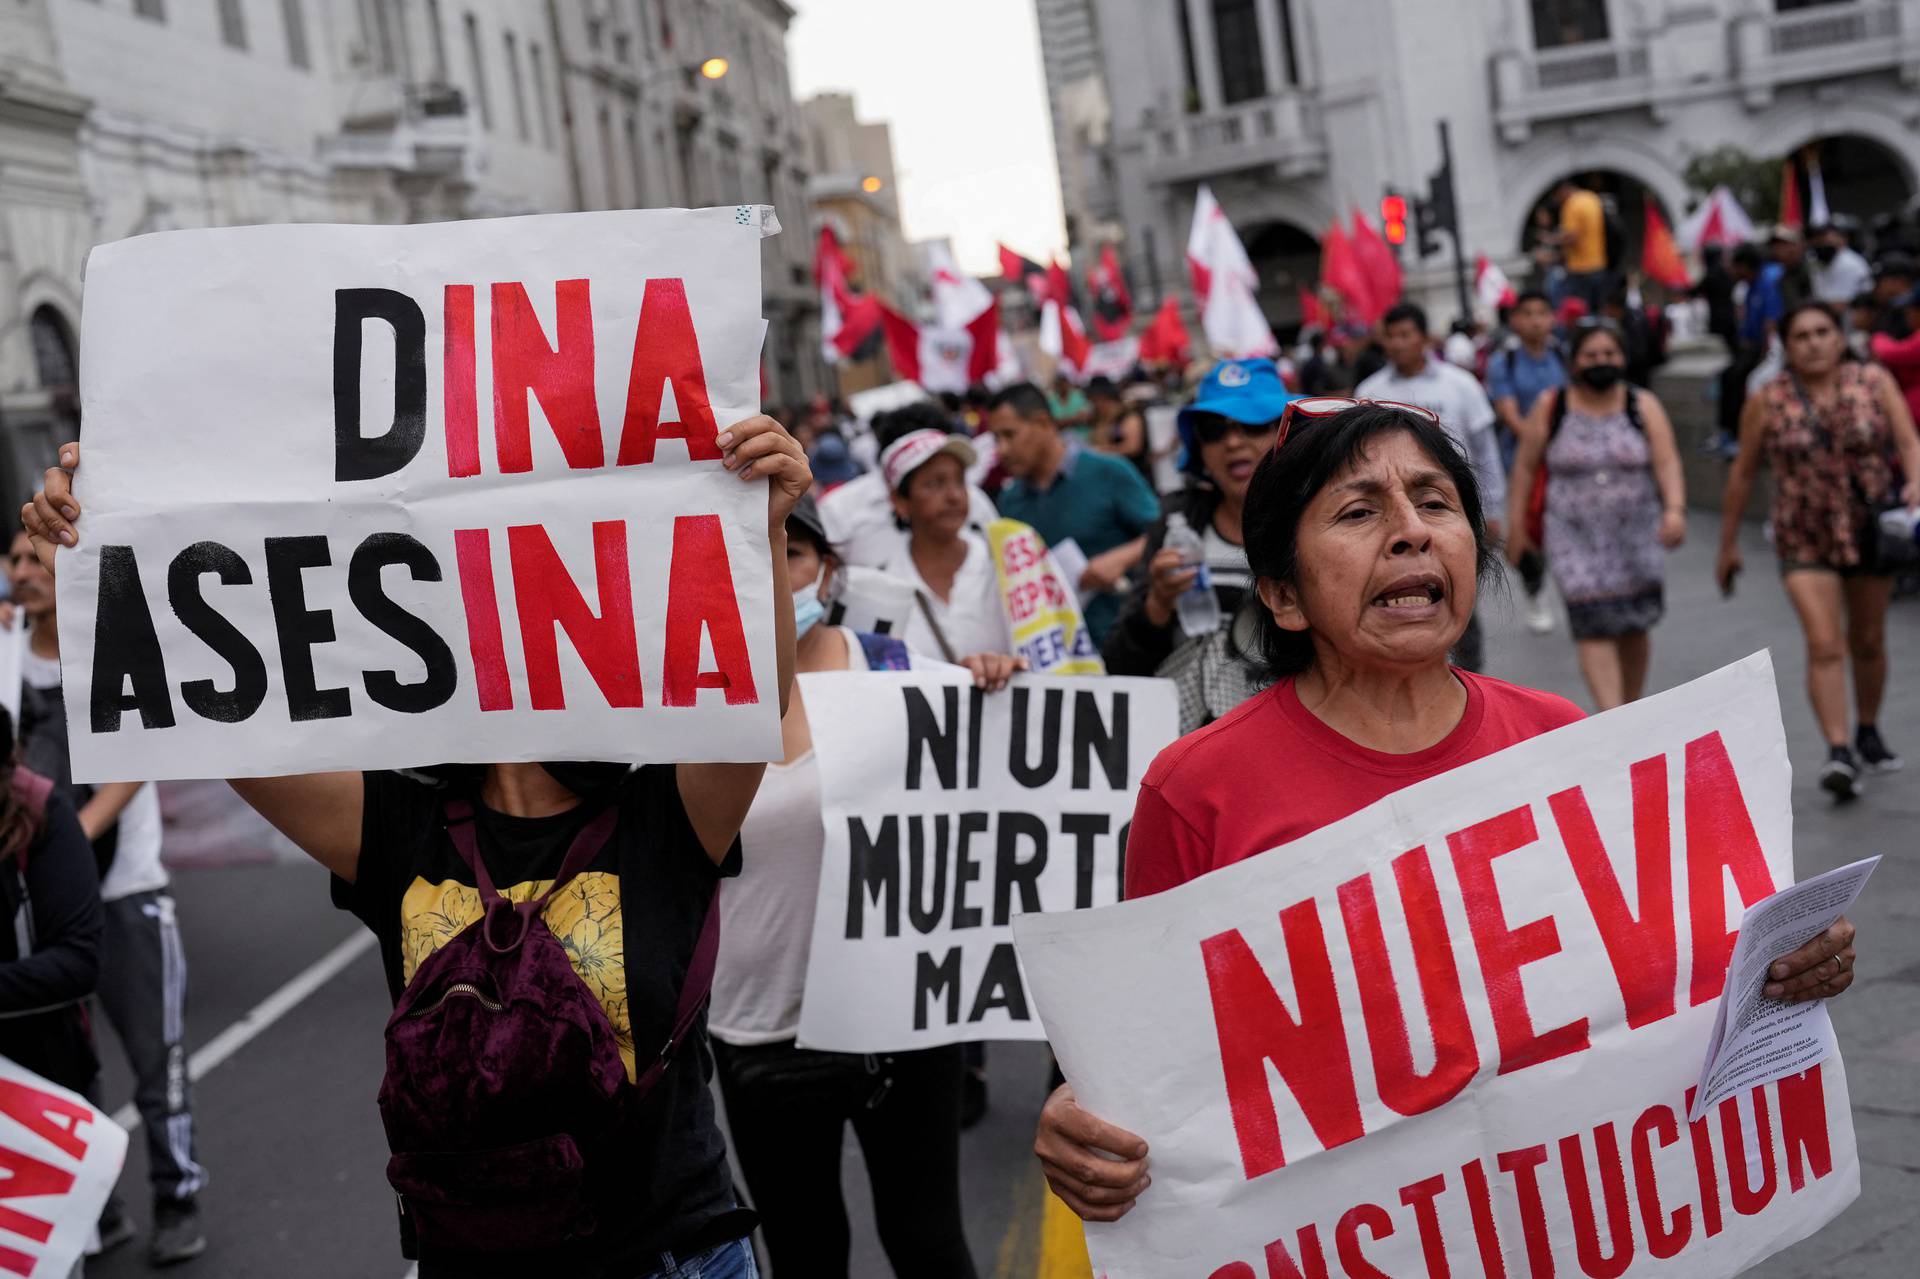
921, 415
1864, 301
1585, 331
1401, 313
1290, 477
1747, 255
1532, 295
1024, 398
19, 824
1805, 305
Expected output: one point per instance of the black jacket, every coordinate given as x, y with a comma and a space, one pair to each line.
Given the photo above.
56, 900
1136, 646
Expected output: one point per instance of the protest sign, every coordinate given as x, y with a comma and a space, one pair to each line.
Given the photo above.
1464, 1023
13, 659
62, 1158
871, 600
1042, 607
948, 811
374, 496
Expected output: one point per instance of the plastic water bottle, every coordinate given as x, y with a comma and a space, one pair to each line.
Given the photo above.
1199, 609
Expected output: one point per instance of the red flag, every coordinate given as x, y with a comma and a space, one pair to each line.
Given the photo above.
903, 344
1377, 263
1015, 267
829, 253
943, 360
1790, 215
1166, 340
1059, 284
985, 331
849, 322
1660, 259
1340, 271
1112, 303
1312, 314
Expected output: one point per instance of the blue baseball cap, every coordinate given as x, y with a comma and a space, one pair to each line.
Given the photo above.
1248, 391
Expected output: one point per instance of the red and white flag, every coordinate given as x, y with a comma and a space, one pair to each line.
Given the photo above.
849, 322
1213, 248
958, 298
943, 359
1382, 268
1235, 326
1064, 338
1718, 222
1112, 301
1166, 340
1491, 287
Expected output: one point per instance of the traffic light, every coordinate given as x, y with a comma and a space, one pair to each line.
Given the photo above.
1436, 212
1393, 218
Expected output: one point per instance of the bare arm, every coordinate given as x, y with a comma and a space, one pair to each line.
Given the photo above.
1507, 409
1733, 498
1905, 438
319, 812
1667, 472
99, 814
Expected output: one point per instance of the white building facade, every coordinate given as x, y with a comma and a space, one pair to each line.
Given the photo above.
119, 117
1299, 111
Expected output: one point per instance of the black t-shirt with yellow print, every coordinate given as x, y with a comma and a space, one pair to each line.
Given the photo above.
628, 923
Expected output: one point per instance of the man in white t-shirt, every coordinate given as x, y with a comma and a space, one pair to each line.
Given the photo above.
1839, 273
1455, 396
143, 970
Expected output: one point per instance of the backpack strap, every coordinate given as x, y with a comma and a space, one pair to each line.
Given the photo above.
693, 995
585, 847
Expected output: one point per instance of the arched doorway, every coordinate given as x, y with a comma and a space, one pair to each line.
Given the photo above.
1625, 199
1864, 181
56, 361
1287, 259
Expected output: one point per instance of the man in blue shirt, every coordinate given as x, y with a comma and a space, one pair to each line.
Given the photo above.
1066, 491
1516, 379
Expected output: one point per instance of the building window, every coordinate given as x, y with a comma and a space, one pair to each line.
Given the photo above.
155, 9
540, 95
1288, 43
1236, 34
295, 22
606, 160
439, 34
622, 47
636, 159
52, 341
479, 68
519, 91
1563, 22
1187, 65
596, 32
233, 24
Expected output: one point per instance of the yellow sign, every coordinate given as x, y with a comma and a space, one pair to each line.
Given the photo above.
1044, 612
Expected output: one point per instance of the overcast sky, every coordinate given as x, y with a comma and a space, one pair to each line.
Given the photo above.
961, 84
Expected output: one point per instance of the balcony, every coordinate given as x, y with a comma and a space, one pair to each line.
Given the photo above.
1574, 80
422, 130
1809, 45
1282, 132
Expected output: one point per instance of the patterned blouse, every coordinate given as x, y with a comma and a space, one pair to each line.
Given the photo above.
1832, 467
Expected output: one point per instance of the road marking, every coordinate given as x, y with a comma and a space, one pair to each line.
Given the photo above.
1063, 1242
263, 1014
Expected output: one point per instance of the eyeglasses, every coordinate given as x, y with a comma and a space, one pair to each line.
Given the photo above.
1211, 428
1328, 405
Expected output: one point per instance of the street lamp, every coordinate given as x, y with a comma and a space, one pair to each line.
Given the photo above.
871, 185
713, 68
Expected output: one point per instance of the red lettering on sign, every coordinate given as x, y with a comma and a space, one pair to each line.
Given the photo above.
24, 1177
666, 348
1313, 1258
458, 384
1346, 1239
1234, 1270
1703, 1170
473, 549
1485, 1234
561, 375
1505, 950
1720, 838
1455, 1056
1666, 1235
47, 1115
700, 598
1255, 1027
1642, 951
545, 596
1747, 1198
1613, 1190
1521, 1165
1803, 1126
1433, 1245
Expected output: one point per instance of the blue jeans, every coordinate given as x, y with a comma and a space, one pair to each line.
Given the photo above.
728, 1261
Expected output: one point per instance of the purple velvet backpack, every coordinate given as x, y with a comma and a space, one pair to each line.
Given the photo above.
505, 1093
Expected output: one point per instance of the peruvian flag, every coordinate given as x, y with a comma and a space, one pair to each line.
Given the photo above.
1381, 267
1340, 271
1166, 340
1112, 303
958, 298
1491, 287
1235, 326
849, 322
1312, 314
942, 359
1720, 221
1064, 338
1214, 248
1031, 275
1659, 256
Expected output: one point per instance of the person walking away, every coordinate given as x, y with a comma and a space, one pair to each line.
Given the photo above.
788, 1108
1412, 376
601, 1159
1516, 379
1068, 492
1365, 534
1582, 238
1839, 273
1118, 428
1615, 497
1829, 429
958, 608
143, 967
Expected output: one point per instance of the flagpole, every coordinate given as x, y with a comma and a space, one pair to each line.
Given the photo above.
1459, 250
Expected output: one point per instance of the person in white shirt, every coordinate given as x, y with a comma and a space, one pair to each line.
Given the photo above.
859, 518
959, 609
1455, 396
1839, 274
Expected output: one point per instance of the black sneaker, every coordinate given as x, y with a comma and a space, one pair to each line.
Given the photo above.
1874, 753
177, 1236
1841, 777
116, 1226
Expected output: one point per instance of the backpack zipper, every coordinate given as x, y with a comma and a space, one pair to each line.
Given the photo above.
461, 988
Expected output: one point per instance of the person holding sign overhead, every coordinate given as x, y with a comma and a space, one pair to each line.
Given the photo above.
546, 1092
1366, 536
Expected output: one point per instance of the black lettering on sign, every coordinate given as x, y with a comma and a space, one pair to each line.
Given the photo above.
212, 628
1093, 739
1000, 986
966, 869
1025, 773
1085, 829
930, 980
976, 708
1011, 871
129, 673
923, 913
873, 869
924, 729
357, 457
300, 628
369, 596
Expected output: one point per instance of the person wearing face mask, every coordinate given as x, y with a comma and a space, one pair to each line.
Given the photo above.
788, 1107
1615, 497
1839, 274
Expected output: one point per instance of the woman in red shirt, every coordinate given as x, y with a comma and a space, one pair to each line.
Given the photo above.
1364, 529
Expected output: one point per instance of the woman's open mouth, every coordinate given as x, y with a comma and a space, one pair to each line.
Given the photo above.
1410, 594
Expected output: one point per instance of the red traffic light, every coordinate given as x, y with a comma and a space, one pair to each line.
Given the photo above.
1393, 218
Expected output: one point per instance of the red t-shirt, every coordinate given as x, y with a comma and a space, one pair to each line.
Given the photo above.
1270, 771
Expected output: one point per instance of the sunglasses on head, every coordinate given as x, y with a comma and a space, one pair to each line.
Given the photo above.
1328, 405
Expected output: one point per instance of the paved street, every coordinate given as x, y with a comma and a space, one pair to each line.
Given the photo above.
289, 1131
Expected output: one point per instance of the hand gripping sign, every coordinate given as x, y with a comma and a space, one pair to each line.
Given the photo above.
367, 496
1463, 1026
61, 1157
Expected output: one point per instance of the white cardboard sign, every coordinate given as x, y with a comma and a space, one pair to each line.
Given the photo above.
1463, 1024
948, 811
62, 1158
377, 496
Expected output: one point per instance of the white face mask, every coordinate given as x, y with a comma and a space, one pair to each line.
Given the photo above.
807, 610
